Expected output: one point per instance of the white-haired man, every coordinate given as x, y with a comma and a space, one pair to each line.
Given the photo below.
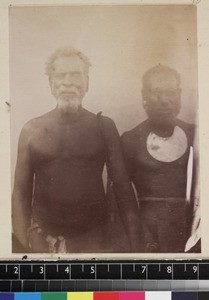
59, 200
157, 154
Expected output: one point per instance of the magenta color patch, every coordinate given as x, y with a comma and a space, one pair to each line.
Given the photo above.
132, 296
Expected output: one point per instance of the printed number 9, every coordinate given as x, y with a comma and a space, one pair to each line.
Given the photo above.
195, 269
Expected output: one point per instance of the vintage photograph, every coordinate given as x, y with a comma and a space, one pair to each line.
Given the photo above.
104, 129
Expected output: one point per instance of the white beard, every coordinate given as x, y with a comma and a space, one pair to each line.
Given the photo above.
68, 106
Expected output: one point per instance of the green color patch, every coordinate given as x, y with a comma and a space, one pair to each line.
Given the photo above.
54, 296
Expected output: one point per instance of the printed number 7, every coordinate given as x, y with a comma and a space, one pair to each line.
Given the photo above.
143, 269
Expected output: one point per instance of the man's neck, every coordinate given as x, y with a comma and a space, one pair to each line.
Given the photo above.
66, 117
165, 129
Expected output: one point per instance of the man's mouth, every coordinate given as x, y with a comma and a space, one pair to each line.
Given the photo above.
70, 93
65, 95
165, 111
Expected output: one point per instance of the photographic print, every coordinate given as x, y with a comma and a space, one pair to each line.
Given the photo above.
104, 86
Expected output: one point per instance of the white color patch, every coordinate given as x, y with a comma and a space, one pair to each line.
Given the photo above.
167, 149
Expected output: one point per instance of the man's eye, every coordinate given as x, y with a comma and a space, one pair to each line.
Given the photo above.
59, 75
77, 76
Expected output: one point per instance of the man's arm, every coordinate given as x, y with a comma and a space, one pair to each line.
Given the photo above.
23, 188
123, 189
195, 193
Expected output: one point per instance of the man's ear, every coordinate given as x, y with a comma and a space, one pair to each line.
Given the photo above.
50, 81
50, 84
144, 99
87, 83
179, 99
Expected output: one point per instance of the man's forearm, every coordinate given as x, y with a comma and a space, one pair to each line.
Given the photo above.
131, 224
21, 219
129, 212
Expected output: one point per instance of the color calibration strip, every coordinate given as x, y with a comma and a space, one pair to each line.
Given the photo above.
107, 296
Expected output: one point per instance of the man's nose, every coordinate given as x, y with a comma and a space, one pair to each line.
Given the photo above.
67, 80
164, 100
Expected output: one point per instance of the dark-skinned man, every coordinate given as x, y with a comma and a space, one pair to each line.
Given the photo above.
157, 153
59, 200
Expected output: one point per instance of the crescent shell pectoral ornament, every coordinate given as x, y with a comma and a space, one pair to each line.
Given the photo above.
167, 149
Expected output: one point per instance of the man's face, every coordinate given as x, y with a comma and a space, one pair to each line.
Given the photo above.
161, 97
69, 83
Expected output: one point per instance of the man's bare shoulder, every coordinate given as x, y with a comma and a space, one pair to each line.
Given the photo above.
109, 126
185, 125
36, 124
136, 131
108, 122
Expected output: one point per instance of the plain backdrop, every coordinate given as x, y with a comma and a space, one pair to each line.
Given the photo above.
121, 41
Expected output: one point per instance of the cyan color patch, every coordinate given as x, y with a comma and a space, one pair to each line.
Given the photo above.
27, 296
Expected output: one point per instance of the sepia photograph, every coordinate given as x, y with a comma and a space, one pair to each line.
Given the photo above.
104, 129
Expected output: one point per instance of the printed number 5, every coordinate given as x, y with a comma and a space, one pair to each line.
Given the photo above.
92, 269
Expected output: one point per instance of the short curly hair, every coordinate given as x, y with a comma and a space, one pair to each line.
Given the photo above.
157, 70
65, 52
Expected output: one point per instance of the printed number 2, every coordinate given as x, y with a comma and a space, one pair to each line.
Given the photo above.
16, 270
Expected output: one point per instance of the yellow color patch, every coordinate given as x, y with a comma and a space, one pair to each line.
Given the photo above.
80, 296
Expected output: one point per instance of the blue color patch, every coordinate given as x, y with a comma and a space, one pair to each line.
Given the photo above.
6, 296
27, 296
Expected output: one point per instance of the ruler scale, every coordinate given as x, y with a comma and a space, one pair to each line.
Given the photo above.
100, 275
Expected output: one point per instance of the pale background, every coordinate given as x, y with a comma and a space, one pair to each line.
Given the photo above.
114, 78
122, 42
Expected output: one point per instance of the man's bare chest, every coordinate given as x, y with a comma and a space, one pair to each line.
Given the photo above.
65, 143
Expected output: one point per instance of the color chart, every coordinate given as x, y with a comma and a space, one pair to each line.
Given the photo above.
107, 296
